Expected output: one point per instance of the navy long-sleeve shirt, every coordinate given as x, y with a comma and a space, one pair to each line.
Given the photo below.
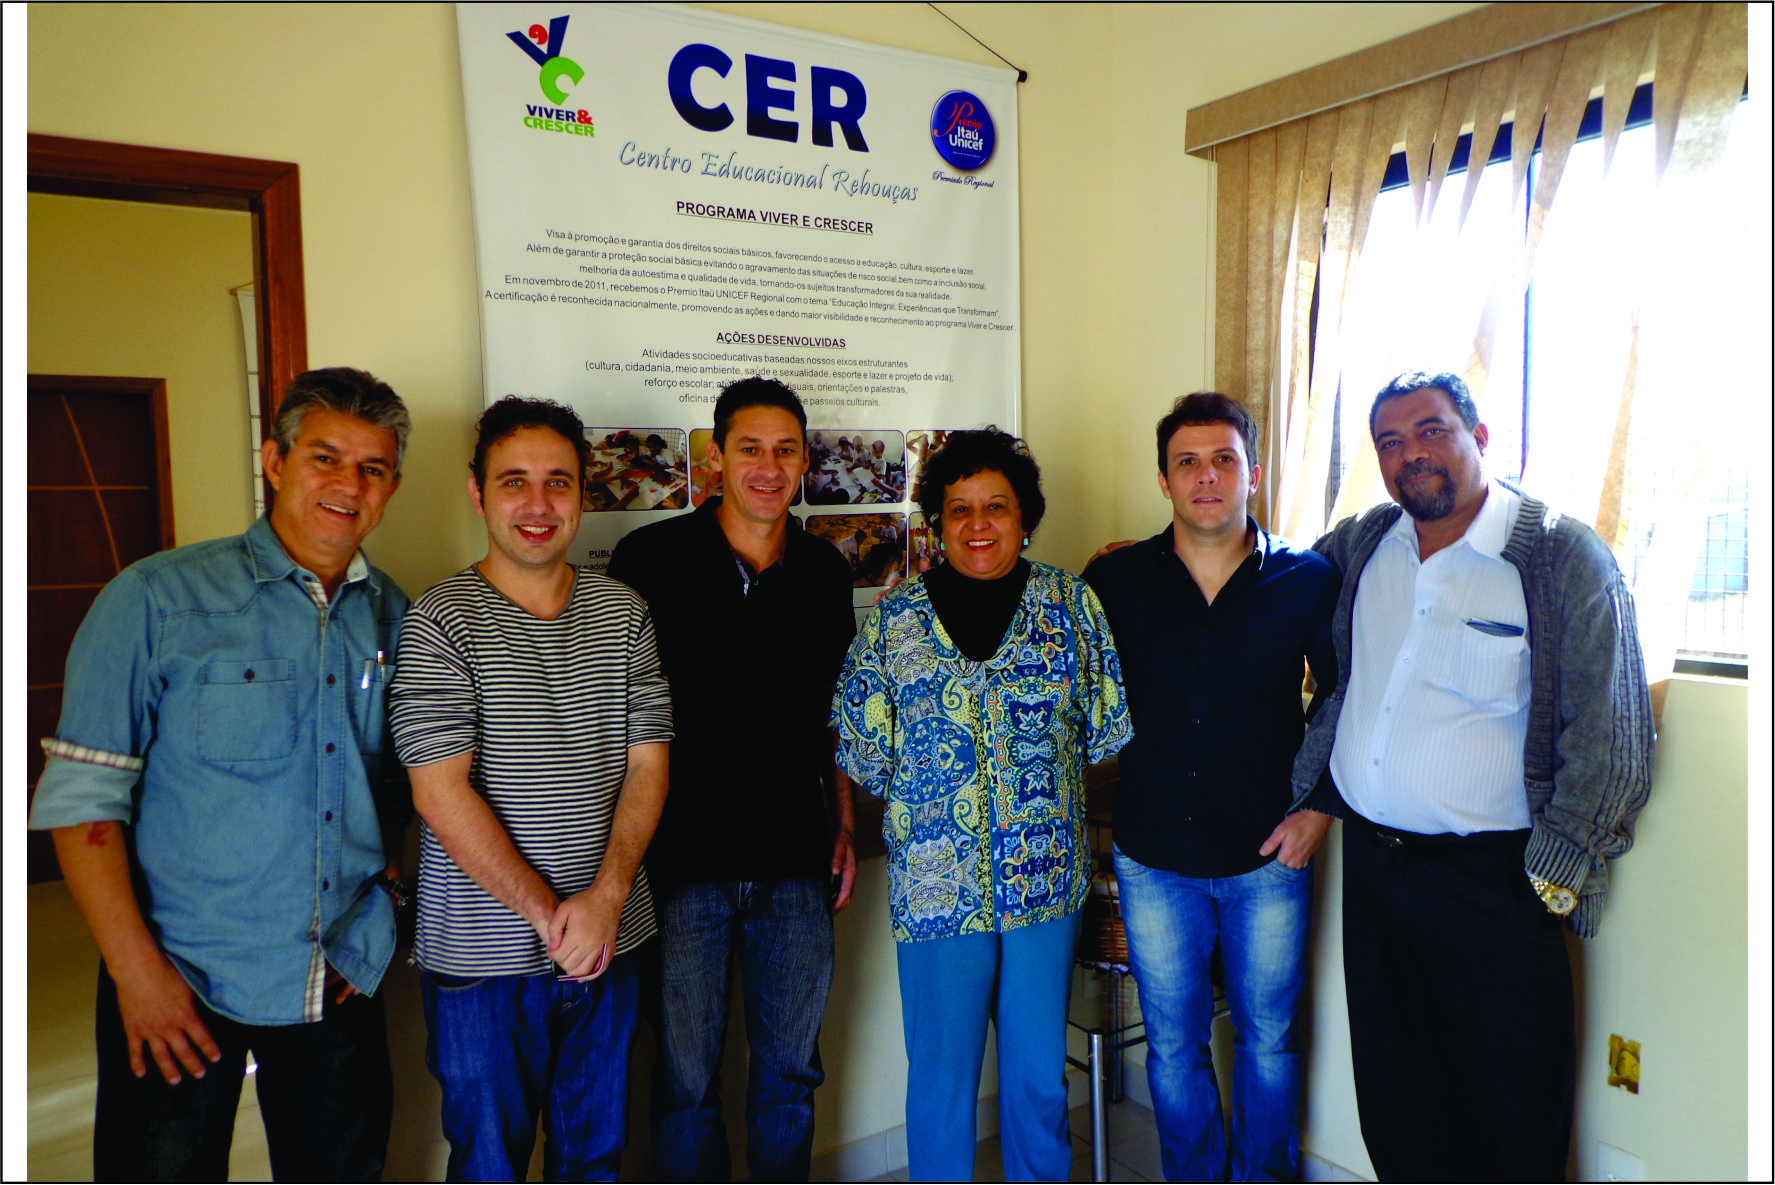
752, 669
1215, 694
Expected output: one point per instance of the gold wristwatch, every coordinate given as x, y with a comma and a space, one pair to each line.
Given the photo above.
1558, 899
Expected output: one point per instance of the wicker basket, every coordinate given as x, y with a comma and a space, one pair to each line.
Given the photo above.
1102, 940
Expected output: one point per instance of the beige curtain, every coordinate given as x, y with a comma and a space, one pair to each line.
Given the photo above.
1284, 190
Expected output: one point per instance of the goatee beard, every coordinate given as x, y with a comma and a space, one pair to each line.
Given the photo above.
1426, 505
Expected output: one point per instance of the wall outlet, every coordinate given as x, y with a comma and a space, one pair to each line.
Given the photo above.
1614, 1164
1623, 1063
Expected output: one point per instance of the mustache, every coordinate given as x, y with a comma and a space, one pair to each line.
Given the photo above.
1418, 469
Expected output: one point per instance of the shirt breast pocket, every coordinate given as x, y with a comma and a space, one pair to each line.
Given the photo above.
246, 711
1494, 671
370, 707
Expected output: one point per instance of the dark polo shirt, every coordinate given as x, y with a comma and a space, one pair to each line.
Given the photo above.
752, 675
1214, 691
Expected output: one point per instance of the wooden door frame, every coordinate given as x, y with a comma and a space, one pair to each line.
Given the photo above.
269, 190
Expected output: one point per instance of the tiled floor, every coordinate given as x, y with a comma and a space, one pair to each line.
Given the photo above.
59, 1078
62, 972
1133, 1148
62, 967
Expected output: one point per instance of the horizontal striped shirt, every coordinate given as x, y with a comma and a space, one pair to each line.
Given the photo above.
550, 710
1430, 739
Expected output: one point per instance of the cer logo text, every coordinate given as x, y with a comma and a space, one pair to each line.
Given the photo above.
834, 97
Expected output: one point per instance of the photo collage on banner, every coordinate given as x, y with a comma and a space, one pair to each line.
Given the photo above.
667, 200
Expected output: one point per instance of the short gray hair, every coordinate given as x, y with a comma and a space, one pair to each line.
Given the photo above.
347, 391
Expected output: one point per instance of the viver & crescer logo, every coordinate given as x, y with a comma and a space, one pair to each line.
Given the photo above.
544, 46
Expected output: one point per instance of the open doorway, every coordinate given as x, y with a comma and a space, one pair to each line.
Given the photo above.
263, 199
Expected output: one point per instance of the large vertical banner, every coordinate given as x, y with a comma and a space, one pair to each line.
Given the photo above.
669, 199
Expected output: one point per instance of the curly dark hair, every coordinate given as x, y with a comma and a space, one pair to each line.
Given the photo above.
985, 450
515, 412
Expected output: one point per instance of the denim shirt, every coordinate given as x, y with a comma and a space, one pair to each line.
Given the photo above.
238, 727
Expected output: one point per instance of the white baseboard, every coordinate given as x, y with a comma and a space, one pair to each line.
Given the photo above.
1317, 1168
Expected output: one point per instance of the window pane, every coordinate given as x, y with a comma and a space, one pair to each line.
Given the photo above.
1418, 299
1634, 320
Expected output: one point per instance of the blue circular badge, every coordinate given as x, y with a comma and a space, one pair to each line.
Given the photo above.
962, 131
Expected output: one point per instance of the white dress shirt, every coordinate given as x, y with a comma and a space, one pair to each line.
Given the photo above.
1431, 734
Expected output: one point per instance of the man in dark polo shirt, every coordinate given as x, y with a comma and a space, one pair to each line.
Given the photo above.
753, 854
1213, 617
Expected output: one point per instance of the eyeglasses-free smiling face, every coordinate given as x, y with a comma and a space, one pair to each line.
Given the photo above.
531, 500
761, 464
982, 525
331, 486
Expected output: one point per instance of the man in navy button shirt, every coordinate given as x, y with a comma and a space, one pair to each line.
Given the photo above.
1213, 618
753, 854
212, 789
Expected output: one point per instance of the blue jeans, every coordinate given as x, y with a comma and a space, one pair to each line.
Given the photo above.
505, 1047
1261, 919
326, 1095
1021, 979
780, 934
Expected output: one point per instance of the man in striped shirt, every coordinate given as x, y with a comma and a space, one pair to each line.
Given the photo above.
530, 709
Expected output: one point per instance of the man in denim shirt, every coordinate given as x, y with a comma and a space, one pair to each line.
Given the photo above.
212, 788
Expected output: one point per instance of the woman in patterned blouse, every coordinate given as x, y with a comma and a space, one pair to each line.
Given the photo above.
972, 701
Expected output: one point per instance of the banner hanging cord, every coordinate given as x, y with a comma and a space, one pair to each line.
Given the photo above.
1022, 74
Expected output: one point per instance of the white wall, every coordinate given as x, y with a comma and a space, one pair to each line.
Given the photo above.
1670, 967
367, 100
1168, 58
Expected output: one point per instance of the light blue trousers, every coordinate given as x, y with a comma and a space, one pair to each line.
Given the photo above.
949, 988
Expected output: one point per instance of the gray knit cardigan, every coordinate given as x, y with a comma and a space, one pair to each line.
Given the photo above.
1587, 758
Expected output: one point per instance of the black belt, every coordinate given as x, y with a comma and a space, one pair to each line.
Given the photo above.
1389, 838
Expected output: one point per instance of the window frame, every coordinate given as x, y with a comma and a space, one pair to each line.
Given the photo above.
1639, 115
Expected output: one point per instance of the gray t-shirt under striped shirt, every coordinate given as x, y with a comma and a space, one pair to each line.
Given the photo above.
550, 709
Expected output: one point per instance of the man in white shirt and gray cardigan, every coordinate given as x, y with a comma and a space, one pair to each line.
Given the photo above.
1492, 737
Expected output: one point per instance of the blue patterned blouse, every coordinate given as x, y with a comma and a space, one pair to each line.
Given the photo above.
982, 764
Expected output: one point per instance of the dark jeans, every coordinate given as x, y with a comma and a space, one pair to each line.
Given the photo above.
1461, 1013
505, 1047
780, 931
326, 1094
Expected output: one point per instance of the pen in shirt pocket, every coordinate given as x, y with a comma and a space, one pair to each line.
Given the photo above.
1497, 629
377, 666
